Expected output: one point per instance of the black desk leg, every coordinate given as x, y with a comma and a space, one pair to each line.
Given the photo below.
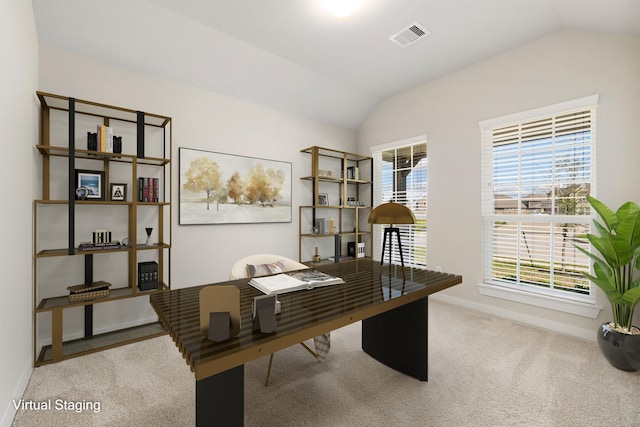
398, 338
220, 399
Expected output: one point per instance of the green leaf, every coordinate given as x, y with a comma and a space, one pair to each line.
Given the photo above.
603, 264
631, 297
608, 216
606, 283
629, 224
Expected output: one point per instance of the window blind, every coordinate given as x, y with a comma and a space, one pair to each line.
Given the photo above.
536, 176
401, 176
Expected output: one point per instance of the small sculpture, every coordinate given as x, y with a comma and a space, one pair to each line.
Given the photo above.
148, 230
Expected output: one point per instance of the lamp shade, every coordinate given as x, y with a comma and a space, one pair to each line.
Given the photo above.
391, 213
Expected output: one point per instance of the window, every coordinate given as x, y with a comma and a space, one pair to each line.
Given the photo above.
536, 174
400, 172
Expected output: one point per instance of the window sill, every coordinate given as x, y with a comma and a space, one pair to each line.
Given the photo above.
584, 309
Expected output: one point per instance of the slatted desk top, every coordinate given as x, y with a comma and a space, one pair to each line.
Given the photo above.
369, 289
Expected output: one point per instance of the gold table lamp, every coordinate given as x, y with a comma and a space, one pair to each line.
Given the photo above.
391, 213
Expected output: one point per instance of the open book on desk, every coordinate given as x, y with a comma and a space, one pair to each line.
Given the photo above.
293, 281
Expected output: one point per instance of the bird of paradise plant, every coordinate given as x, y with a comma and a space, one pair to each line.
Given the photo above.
617, 269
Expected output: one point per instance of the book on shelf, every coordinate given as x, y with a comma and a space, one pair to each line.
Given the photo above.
148, 189
293, 281
90, 246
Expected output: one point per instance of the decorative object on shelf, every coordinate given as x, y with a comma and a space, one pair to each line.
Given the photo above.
92, 181
117, 144
325, 173
617, 273
95, 290
148, 189
361, 250
82, 193
325, 226
147, 275
391, 213
353, 172
118, 192
217, 188
92, 141
148, 230
101, 235
323, 199
313, 231
316, 256
126, 242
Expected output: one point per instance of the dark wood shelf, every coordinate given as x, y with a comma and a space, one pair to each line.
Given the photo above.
49, 150
48, 304
82, 346
145, 153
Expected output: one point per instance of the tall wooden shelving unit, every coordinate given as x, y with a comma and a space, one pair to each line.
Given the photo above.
146, 150
349, 177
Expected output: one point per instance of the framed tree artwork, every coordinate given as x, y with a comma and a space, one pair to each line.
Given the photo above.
218, 188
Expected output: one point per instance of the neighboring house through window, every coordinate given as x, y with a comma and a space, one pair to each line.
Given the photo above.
400, 176
537, 169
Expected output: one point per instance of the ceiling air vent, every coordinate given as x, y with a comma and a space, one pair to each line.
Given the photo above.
410, 35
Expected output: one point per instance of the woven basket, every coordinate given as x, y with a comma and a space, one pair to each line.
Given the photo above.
80, 293
88, 296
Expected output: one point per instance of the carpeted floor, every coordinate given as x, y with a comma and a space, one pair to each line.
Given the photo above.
483, 371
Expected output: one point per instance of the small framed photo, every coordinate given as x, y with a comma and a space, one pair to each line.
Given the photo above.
118, 192
89, 185
323, 199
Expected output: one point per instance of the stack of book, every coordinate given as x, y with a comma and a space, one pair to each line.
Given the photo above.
325, 226
104, 141
90, 246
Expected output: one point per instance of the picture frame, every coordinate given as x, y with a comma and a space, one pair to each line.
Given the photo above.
219, 188
323, 199
89, 185
118, 192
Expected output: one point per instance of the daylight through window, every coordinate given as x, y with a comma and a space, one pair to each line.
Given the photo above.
536, 174
402, 176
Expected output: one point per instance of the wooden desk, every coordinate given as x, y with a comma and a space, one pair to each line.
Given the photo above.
394, 328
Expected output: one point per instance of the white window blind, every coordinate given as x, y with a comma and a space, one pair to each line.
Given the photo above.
400, 175
536, 174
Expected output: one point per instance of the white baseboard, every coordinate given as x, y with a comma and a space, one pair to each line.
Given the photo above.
9, 412
518, 317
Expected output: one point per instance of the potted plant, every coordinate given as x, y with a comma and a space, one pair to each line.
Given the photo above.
617, 273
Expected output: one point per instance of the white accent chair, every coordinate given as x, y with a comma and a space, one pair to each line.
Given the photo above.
240, 270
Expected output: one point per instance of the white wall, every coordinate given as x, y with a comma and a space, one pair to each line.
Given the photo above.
561, 67
208, 121
18, 121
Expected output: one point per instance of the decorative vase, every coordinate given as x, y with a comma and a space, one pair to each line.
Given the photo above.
621, 350
316, 257
148, 230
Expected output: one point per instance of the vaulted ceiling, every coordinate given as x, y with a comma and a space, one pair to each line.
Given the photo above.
295, 56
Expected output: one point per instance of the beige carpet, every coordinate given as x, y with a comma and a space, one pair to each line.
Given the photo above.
483, 371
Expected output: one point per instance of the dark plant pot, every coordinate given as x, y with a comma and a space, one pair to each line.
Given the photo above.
621, 350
